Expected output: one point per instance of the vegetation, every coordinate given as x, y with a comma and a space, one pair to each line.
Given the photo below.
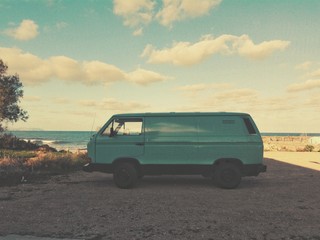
20, 166
308, 148
8, 141
18, 158
10, 94
22, 160
30, 161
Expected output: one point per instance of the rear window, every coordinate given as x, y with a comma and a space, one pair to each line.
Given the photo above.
249, 126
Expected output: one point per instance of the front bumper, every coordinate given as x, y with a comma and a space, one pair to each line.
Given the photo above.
87, 167
98, 167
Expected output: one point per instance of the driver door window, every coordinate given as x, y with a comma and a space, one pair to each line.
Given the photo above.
124, 127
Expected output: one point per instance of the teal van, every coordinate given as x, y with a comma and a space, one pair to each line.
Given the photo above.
222, 146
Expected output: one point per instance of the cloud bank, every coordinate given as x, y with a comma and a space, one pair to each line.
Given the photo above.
34, 70
186, 53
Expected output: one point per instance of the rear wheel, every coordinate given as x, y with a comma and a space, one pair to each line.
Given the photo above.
227, 175
125, 175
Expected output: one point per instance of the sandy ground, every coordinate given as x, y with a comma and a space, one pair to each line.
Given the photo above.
303, 159
283, 203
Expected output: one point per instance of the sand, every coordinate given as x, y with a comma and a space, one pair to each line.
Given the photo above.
303, 159
293, 150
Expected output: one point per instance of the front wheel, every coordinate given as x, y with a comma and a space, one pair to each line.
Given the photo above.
227, 175
125, 175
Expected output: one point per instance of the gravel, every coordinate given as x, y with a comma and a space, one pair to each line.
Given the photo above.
283, 203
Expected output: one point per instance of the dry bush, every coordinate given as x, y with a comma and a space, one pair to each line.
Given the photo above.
17, 162
308, 148
57, 161
9, 164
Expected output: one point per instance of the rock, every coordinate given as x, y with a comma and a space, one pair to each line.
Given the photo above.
46, 148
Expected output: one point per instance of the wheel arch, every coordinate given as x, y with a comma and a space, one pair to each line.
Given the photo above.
131, 160
235, 161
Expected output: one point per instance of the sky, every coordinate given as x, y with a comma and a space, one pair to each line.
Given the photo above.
82, 61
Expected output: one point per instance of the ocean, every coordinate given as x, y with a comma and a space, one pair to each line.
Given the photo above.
61, 140
73, 140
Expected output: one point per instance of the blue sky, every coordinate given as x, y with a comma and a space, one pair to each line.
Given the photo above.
82, 61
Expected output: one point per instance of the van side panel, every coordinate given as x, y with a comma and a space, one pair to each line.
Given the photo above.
227, 137
170, 140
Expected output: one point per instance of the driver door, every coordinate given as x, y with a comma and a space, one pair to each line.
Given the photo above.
122, 138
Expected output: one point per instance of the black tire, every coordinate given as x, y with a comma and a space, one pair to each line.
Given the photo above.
227, 175
125, 175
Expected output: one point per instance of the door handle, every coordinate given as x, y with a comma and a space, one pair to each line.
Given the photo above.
140, 144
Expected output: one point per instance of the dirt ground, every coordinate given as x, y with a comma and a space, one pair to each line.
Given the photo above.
283, 203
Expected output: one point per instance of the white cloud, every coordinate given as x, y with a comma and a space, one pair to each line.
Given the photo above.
139, 13
27, 30
245, 47
145, 77
194, 89
304, 86
314, 74
186, 53
96, 72
111, 104
236, 95
178, 10
35, 70
135, 13
138, 32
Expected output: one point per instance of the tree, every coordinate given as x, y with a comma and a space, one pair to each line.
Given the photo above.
10, 94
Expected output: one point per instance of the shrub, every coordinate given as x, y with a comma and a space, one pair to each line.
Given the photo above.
57, 162
8, 141
308, 148
9, 164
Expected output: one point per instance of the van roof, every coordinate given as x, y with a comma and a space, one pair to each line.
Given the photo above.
167, 114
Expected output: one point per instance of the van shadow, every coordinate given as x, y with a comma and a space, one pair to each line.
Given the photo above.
279, 174
175, 180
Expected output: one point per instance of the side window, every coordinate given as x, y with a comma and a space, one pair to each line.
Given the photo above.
124, 127
249, 126
107, 130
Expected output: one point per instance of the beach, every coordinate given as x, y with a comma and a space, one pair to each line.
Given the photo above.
282, 203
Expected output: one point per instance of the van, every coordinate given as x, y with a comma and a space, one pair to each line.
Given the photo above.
222, 146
